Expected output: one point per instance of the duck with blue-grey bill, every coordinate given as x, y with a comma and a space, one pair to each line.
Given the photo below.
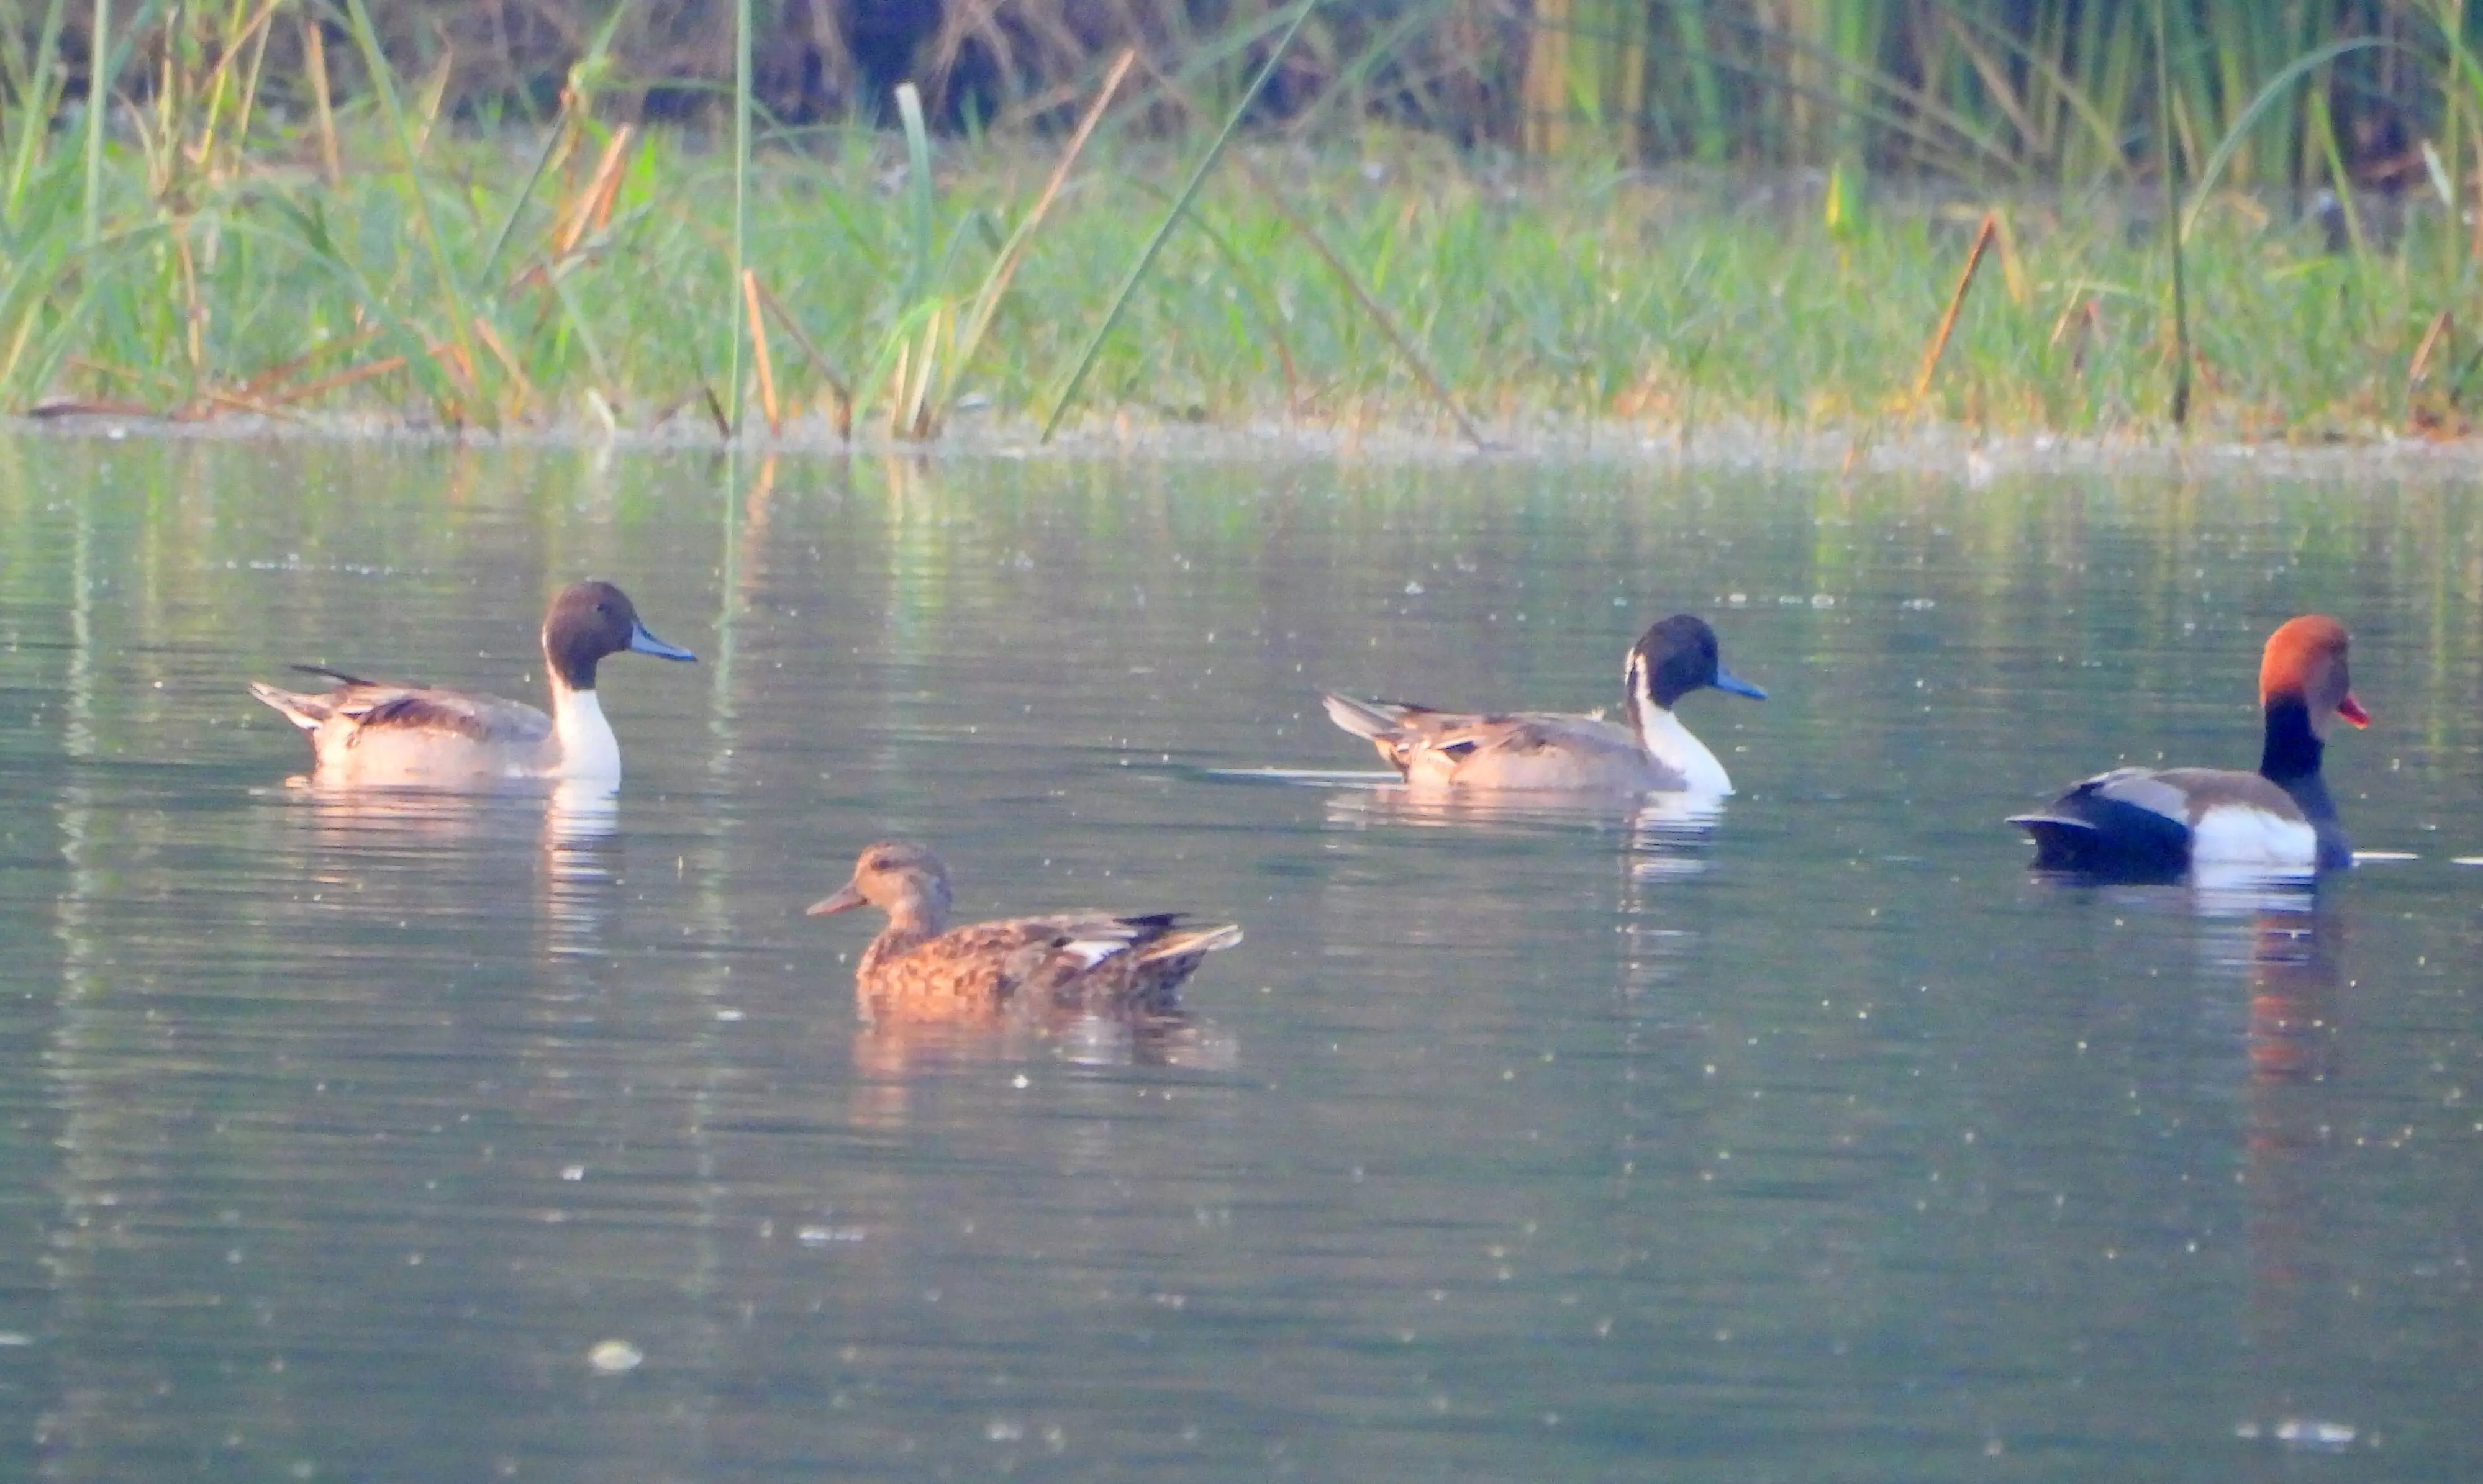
1561, 752
377, 733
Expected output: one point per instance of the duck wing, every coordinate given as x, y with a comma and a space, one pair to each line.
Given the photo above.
406, 708
375, 705
1402, 732
1534, 731
1102, 963
1079, 961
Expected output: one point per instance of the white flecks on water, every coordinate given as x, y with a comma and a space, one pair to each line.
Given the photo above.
615, 1357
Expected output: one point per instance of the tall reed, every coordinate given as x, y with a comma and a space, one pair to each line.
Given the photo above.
383, 253
741, 110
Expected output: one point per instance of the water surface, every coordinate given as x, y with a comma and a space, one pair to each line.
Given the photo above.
337, 1136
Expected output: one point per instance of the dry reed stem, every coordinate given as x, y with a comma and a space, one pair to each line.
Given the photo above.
213, 82
212, 402
1983, 240
819, 358
341, 379
759, 351
258, 385
996, 282
593, 206
490, 339
1369, 305
2088, 318
2442, 327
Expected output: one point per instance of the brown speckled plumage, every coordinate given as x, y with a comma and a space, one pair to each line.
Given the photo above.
1059, 965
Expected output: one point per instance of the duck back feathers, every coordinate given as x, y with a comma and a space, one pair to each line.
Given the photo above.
1036, 968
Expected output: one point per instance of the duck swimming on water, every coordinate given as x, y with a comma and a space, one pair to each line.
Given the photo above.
919, 969
375, 733
2158, 822
1559, 750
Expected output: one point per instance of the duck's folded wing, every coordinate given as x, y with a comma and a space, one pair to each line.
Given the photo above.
1402, 721
1051, 954
2206, 790
408, 708
1534, 731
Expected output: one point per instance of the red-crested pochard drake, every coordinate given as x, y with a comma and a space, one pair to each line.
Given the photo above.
2158, 822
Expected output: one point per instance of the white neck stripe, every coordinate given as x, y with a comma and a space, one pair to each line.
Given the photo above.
588, 750
1670, 742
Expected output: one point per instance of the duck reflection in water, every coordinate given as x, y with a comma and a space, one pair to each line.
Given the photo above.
2276, 948
1079, 979
2300, 1241
893, 1051
569, 833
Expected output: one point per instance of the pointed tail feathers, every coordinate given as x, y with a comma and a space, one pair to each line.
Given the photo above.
1189, 942
325, 673
1378, 721
306, 712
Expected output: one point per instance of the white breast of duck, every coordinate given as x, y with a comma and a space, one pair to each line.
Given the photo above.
588, 751
1682, 762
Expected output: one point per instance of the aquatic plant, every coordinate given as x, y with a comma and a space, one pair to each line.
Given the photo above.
273, 224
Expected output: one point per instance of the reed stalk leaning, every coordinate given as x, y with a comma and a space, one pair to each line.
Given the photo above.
232, 261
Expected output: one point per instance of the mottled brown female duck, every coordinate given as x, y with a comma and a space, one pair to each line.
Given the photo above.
1073, 962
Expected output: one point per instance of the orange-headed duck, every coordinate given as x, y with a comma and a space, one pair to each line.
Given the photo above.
2157, 822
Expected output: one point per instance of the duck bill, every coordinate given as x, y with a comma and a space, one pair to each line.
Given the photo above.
1726, 680
643, 643
846, 900
2352, 710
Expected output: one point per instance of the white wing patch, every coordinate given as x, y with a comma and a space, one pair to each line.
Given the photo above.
2243, 834
2141, 788
1091, 951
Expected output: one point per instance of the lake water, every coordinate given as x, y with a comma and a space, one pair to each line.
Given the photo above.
343, 1142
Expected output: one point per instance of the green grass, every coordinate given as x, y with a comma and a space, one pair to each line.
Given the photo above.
215, 255
1543, 296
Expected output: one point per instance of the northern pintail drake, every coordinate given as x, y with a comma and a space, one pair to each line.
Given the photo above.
2160, 822
376, 734
1551, 750
919, 969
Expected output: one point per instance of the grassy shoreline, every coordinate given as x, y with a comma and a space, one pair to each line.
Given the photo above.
1323, 287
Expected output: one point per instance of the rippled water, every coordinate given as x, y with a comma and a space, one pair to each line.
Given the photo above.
474, 1139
